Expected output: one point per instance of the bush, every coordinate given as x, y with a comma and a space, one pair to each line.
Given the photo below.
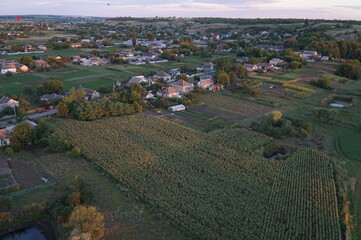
351, 70
295, 65
9, 151
8, 74
277, 126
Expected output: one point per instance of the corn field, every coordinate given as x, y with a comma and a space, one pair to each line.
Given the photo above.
217, 185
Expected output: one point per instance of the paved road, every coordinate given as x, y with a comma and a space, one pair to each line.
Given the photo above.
32, 116
42, 114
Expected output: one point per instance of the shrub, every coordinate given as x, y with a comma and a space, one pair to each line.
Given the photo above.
9, 151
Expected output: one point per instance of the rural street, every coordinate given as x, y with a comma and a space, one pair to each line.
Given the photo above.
32, 116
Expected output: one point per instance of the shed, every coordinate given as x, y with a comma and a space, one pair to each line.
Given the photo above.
177, 108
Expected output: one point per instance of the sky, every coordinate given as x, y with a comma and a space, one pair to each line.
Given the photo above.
313, 9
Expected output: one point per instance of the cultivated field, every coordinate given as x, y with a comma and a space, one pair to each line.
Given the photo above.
235, 106
218, 184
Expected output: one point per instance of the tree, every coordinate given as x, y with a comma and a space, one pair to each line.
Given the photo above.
150, 36
27, 60
276, 116
295, 65
51, 86
134, 37
307, 22
87, 220
351, 70
290, 43
62, 109
20, 135
222, 78
75, 199
182, 77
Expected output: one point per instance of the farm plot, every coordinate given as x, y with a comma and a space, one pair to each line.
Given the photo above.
235, 106
7, 180
218, 185
26, 175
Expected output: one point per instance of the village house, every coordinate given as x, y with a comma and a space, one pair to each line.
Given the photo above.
21, 67
151, 55
223, 47
309, 54
208, 67
174, 72
215, 36
75, 45
148, 95
48, 98
168, 92
205, 81
137, 79
8, 102
265, 66
183, 86
4, 137
42, 47
165, 76
28, 47
41, 63
276, 61
90, 93
216, 87
325, 59
97, 61
8, 67
251, 67
200, 44
243, 60
127, 53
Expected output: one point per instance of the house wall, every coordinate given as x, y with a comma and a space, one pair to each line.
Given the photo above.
11, 104
5, 70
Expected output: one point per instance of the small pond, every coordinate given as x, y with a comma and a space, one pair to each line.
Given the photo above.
30, 233
339, 104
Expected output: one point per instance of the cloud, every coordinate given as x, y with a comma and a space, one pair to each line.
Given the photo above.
351, 7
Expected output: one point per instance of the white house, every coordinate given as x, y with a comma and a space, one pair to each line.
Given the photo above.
8, 67
8, 102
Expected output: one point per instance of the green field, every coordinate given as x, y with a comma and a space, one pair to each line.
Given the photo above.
63, 52
90, 77
217, 184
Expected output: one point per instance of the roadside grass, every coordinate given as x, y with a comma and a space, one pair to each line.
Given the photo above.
125, 217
